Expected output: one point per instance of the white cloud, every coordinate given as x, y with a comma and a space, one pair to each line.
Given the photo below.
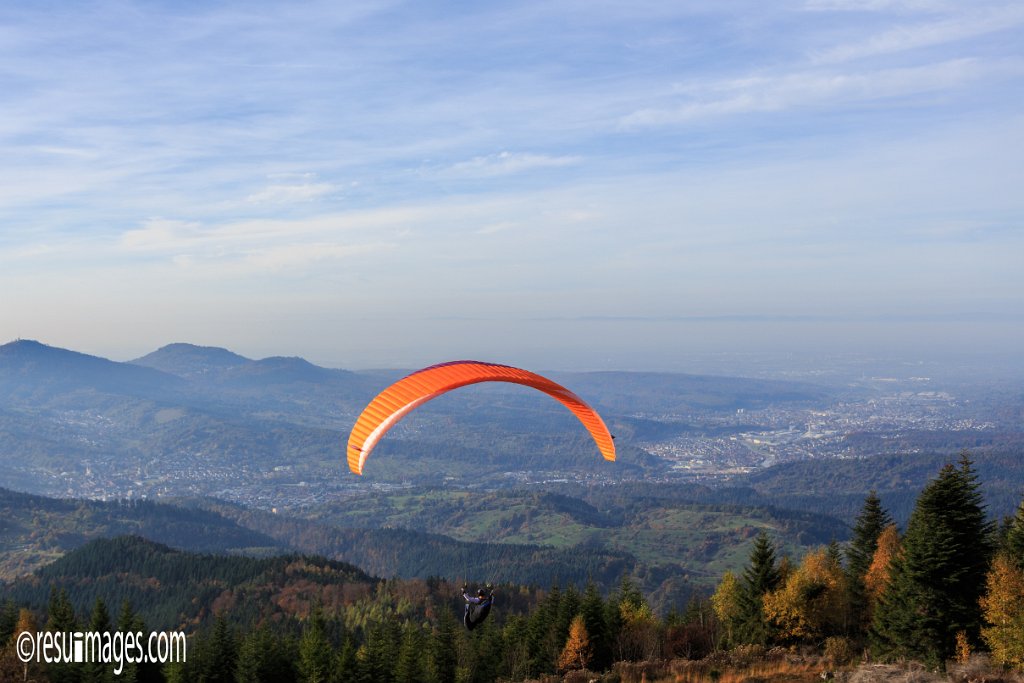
493, 228
289, 194
951, 29
878, 5
506, 163
812, 89
269, 244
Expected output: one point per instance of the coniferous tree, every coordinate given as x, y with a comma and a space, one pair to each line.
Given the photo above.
382, 642
937, 580
613, 624
486, 645
638, 633
97, 671
544, 641
60, 614
760, 577
263, 658
568, 608
345, 667
8, 621
444, 655
1014, 543
515, 648
218, 653
409, 667
592, 609
136, 672
315, 656
61, 619
871, 521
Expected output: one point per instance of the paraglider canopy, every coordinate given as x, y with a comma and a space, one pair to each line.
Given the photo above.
396, 401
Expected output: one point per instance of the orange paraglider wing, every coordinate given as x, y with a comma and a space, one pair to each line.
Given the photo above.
395, 402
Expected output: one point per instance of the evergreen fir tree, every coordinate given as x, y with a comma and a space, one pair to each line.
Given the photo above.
263, 658
136, 672
1014, 543
345, 667
218, 654
873, 518
761, 576
515, 648
382, 644
592, 609
444, 655
8, 621
315, 656
936, 582
61, 615
568, 608
487, 646
61, 618
409, 667
97, 671
545, 645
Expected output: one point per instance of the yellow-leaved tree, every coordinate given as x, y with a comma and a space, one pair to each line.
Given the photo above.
812, 603
1003, 609
726, 603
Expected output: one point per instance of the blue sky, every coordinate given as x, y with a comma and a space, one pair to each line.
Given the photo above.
557, 184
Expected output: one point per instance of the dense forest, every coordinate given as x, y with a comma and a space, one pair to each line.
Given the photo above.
946, 587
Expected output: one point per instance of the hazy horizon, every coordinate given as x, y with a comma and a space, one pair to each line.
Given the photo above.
559, 185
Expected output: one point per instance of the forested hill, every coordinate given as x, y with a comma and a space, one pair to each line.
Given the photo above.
837, 487
35, 530
176, 589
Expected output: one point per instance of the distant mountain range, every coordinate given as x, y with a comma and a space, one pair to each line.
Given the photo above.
158, 424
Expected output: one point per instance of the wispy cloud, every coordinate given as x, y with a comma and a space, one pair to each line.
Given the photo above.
289, 194
268, 245
506, 163
961, 26
879, 5
812, 88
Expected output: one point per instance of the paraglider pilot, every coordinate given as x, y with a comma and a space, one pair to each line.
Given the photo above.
477, 607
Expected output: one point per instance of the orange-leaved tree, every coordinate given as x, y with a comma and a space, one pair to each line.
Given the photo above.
576, 653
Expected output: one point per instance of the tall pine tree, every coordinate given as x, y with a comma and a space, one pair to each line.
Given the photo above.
871, 521
761, 576
936, 582
1014, 543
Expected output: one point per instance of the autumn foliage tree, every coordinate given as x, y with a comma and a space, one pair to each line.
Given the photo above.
813, 603
1003, 608
576, 653
726, 603
877, 576
1003, 602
